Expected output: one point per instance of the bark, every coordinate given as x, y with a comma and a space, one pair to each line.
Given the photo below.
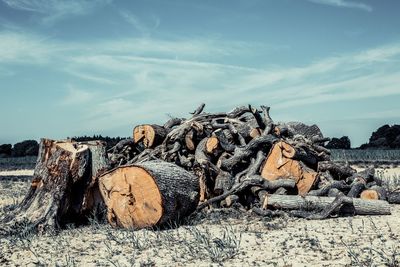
394, 197
149, 194
63, 186
150, 134
339, 172
355, 206
244, 152
374, 193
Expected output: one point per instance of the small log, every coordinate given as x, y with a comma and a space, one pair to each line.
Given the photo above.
223, 182
367, 175
358, 207
394, 197
152, 193
229, 201
374, 193
334, 192
340, 172
212, 145
172, 123
323, 191
189, 140
150, 134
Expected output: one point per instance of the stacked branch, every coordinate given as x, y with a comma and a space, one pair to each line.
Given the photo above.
164, 172
242, 157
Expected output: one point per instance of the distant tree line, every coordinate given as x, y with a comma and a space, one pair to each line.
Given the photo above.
31, 147
385, 137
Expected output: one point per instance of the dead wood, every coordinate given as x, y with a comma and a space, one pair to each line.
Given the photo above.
148, 194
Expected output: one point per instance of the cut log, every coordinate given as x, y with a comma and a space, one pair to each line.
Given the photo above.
150, 134
374, 193
61, 191
359, 206
394, 197
149, 194
189, 140
278, 166
223, 182
212, 145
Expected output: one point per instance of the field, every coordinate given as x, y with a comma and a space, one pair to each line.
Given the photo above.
221, 237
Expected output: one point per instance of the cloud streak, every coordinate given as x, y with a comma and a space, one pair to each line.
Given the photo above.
344, 4
137, 80
53, 10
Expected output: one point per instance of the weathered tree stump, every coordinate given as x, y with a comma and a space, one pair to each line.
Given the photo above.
149, 194
63, 186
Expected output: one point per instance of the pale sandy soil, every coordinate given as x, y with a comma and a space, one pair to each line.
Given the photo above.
17, 173
218, 238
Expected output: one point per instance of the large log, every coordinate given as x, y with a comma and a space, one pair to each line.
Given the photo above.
149, 194
62, 189
150, 134
358, 207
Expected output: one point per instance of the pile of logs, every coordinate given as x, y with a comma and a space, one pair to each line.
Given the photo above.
240, 158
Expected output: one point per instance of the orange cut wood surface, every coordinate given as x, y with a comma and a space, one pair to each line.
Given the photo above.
132, 198
212, 144
145, 132
279, 165
369, 194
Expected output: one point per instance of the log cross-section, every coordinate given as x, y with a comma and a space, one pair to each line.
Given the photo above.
149, 194
150, 134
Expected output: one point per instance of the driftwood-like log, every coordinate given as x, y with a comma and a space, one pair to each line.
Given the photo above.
152, 193
244, 152
340, 172
394, 197
358, 206
63, 187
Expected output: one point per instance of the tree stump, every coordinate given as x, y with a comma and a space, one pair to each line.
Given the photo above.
62, 186
149, 194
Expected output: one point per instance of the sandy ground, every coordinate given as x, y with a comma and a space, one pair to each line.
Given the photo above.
17, 173
215, 238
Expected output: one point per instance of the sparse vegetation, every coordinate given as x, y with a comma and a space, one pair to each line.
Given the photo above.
366, 155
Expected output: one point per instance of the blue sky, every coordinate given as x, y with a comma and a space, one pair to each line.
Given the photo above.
102, 66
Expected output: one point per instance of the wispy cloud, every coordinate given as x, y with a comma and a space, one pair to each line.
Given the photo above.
344, 4
53, 10
140, 79
23, 48
75, 96
145, 27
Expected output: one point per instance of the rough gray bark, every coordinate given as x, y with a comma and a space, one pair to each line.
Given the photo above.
358, 206
179, 191
244, 152
61, 180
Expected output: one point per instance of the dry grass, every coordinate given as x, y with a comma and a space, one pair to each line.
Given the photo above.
226, 237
